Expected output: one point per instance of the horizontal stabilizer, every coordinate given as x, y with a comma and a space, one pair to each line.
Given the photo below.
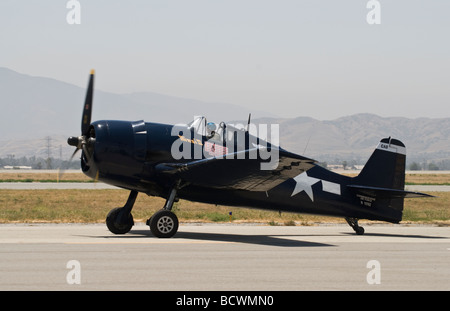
386, 192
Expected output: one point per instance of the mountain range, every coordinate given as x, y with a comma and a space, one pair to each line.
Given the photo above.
38, 114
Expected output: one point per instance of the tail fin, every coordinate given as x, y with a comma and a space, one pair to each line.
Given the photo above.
386, 166
382, 181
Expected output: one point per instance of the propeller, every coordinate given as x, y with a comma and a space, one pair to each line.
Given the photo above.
86, 141
87, 110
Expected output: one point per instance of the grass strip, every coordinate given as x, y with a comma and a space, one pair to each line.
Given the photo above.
92, 206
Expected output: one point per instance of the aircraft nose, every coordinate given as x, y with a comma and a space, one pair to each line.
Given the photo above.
120, 146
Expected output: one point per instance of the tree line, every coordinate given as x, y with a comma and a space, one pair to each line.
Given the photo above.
39, 163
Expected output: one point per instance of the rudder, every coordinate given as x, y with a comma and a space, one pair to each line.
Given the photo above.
379, 188
383, 179
386, 166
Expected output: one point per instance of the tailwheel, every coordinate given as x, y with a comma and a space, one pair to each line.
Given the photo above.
163, 224
353, 222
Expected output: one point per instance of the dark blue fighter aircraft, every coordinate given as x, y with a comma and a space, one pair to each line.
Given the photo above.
225, 165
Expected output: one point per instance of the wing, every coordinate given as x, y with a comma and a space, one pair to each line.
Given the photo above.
234, 171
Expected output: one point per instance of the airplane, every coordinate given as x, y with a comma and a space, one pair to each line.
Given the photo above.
225, 165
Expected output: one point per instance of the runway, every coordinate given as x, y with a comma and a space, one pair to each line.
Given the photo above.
224, 257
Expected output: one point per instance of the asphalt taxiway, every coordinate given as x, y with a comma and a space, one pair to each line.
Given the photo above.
224, 257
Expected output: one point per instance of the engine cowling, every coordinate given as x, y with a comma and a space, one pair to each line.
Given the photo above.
119, 151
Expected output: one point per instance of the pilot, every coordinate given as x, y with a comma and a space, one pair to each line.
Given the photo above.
211, 131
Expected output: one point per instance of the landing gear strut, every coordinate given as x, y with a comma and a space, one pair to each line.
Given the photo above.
164, 223
353, 222
119, 219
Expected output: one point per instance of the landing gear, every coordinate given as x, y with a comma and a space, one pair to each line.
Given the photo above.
119, 219
353, 222
164, 223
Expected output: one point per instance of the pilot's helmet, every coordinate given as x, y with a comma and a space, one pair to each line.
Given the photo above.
211, 126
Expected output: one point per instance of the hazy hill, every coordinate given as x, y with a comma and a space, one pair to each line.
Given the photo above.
35, 107
355, 137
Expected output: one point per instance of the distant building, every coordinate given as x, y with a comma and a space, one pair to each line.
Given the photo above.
17, 167
335, 167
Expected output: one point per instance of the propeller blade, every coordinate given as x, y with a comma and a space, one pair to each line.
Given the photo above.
73, 154
87, 109
61, 171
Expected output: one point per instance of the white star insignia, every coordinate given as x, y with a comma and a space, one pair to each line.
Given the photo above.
304, 183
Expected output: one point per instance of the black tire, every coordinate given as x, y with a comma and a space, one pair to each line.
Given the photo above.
359, 230
115, 227
163, 224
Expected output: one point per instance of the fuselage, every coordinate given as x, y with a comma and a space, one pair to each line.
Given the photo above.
127, 154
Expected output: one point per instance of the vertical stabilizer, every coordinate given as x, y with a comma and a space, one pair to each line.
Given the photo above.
386, 166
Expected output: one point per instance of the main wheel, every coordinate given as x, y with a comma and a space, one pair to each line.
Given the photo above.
163, 224
114, 226
359, 230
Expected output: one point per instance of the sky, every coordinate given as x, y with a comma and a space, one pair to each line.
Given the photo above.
292, 58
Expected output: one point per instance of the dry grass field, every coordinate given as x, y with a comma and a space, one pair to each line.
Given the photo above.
87, 206
93, 205
24, 176
428, 179
423, 179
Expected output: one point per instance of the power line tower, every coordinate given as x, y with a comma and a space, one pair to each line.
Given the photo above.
49, 152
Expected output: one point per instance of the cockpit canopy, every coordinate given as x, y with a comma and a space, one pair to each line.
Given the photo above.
239, 134
201, 127
239, 137
198, 125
